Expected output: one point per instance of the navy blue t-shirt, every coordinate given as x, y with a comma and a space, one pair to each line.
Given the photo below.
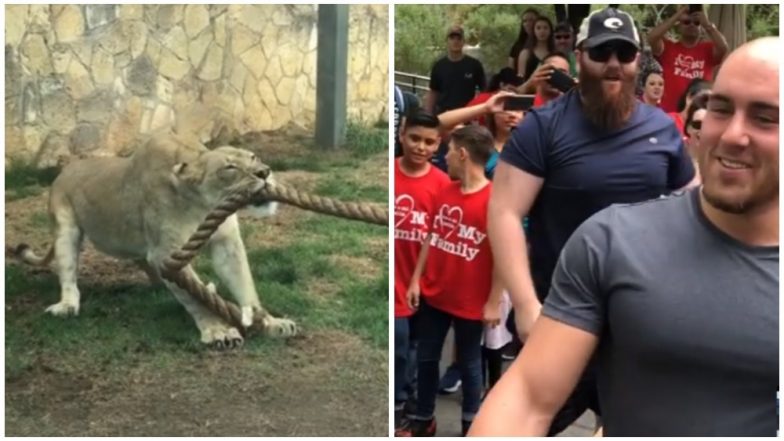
586, 169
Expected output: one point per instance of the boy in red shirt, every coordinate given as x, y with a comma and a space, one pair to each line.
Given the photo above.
454, 275
416, 184
689, 57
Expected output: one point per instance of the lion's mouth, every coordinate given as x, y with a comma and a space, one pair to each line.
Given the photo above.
262, 174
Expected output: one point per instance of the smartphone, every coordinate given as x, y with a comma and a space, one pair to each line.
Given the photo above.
520, 102
561, 81
695, 8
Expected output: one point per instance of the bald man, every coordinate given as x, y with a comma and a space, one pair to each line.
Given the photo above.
677, 298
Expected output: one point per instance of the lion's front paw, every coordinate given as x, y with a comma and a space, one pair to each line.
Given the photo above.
279, 327
222, 337
63, 309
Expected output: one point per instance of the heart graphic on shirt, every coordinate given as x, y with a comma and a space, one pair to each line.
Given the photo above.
449, 219
404, 206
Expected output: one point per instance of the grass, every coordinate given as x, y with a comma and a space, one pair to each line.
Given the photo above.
333, 276
23, 179
362, 141
366, 140
338, 187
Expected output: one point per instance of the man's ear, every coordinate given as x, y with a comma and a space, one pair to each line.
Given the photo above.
463, 153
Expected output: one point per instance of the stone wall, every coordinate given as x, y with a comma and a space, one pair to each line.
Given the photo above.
88, 79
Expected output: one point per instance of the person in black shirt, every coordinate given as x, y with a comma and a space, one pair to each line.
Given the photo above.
455, 78
536, 48
526, 29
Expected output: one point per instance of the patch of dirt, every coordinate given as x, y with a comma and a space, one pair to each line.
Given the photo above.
284, 142
308, 392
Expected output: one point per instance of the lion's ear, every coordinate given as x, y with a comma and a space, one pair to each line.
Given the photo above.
189, 173
184, 172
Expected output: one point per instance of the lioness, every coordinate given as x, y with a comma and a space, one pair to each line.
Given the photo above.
146, 206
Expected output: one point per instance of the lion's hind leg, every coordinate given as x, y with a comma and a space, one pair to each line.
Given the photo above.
68, 239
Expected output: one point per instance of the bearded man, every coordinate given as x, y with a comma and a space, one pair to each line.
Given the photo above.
677, 299
593, 147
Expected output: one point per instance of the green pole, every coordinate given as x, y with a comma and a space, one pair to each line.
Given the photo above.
331, 75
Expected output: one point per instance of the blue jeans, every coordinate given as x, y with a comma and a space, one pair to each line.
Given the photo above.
405, 361
433, 327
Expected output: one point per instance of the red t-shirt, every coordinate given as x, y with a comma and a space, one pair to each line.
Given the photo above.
679, 123
459, 268
481, 99
681, 65
538, 101
413, 204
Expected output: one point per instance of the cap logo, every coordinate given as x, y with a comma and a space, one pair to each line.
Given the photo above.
613, 23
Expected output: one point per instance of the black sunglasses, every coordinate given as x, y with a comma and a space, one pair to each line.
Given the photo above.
688, 22
602, 53
562, 36
697, 125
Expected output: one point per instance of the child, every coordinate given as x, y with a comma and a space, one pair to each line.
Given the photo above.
455, 276
416, 183
494, 340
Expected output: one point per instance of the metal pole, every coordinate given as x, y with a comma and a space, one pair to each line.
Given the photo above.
331, 75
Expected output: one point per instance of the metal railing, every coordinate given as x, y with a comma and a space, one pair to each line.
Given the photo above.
416, 84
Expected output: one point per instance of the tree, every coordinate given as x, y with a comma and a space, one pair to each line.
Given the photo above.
494, 28
420, 30
420, 37
762, 20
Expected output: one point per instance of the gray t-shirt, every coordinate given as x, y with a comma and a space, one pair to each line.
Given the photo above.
688, 320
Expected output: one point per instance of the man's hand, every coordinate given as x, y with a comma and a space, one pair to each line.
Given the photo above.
495, 103
491, 313
412, 295
541, 75
702, 17
684, 9
525, 318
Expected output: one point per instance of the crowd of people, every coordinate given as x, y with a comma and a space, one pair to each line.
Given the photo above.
611, 209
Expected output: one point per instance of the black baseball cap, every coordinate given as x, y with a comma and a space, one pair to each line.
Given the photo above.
455, 30
605, 25
508, 75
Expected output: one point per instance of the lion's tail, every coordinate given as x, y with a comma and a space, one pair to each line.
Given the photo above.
24, 253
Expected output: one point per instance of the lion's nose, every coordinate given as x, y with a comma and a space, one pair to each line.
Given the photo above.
263, 172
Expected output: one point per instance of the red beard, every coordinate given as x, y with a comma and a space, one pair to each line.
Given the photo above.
608, 111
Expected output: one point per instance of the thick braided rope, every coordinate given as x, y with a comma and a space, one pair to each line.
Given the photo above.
172, 266
226, 310
349, 210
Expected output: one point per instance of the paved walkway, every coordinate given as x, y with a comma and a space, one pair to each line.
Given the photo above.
448, 407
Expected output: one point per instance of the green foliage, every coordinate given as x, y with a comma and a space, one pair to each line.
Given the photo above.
420, 33
762, 20
495, 28
419, 36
